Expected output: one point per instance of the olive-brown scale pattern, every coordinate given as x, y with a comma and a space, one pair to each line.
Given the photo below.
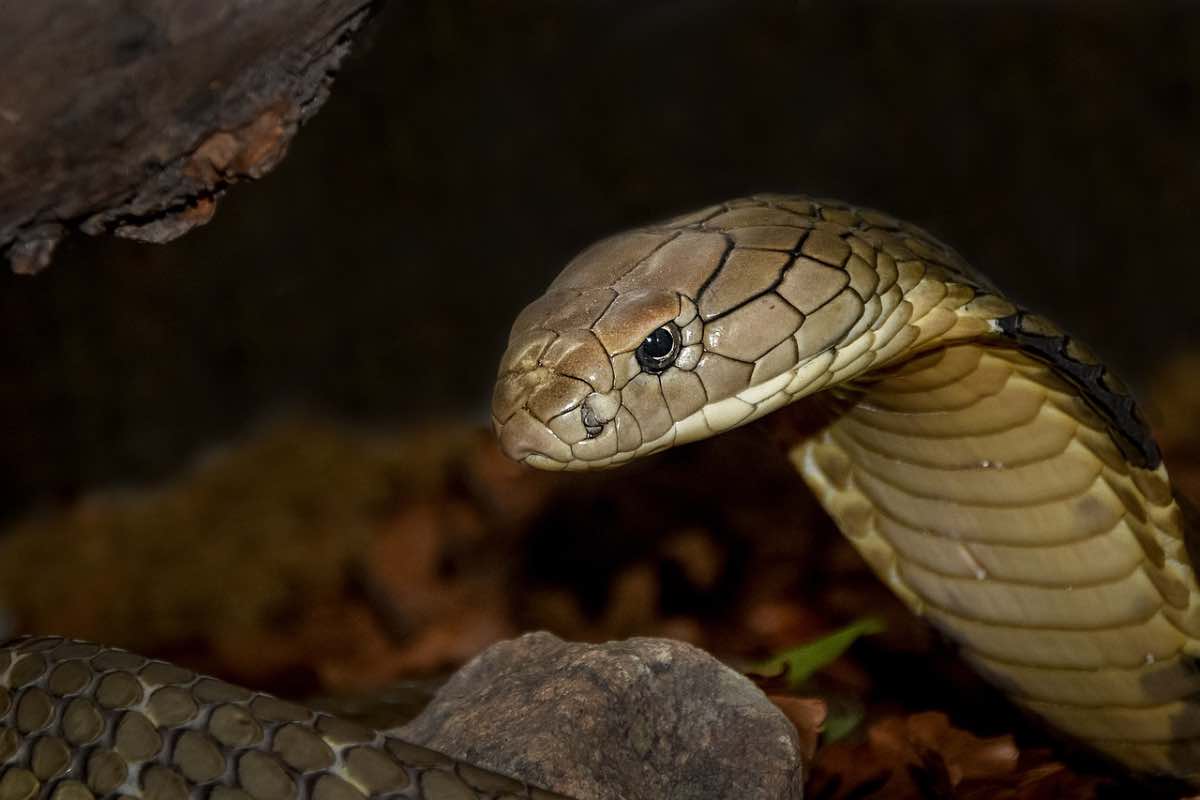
809, 277
79, 722
757, 286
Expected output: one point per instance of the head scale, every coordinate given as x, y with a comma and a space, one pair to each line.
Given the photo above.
675, 332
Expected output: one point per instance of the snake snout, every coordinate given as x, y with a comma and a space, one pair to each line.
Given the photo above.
554, 399
522, 435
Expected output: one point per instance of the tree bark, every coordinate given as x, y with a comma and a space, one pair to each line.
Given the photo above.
132, 117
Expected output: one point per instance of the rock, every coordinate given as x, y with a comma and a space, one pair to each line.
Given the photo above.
640, 719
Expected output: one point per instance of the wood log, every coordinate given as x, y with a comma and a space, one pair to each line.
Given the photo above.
133, 117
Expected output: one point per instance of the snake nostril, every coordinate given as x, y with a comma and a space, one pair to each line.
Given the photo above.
591, 423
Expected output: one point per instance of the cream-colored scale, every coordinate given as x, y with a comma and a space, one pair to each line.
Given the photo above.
987, 494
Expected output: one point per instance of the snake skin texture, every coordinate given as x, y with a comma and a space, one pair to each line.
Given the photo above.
986, 465
79, 722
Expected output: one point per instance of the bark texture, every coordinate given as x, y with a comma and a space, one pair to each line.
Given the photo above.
133, 117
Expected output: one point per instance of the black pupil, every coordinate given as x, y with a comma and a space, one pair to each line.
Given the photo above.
658, 344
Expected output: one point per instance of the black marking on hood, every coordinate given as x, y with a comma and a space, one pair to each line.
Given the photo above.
1118, 408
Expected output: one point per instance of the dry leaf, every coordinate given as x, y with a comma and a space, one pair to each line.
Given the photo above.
808, 715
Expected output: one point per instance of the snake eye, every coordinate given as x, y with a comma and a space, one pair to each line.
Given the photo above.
659, 350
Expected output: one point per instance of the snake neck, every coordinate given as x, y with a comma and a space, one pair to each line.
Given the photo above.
933, 305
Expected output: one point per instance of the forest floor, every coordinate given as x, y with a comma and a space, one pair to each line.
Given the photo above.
362, 567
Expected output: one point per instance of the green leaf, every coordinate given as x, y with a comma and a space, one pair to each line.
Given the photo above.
800, 663
839, 724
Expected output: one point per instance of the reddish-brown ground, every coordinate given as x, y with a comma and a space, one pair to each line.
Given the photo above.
316, 560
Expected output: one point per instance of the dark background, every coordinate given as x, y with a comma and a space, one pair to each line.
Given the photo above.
470, 147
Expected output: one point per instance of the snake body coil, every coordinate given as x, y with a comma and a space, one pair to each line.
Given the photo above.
988, 468
78, 722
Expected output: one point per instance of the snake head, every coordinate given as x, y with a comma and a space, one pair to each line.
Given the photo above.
675, 332
567, 395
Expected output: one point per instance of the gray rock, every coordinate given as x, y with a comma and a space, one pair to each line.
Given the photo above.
641, 719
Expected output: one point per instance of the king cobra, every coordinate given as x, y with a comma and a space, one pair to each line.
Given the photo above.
989, 469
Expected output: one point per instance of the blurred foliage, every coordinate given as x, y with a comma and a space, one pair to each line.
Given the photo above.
239, 541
